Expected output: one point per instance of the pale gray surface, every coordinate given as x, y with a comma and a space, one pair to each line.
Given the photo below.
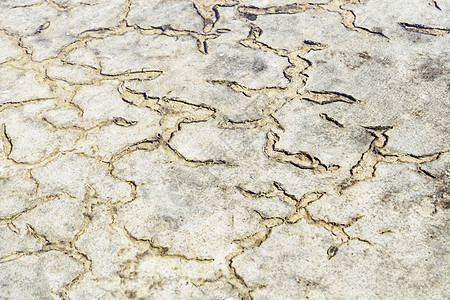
224, 149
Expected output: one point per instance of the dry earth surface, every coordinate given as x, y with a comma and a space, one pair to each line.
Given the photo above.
224, 149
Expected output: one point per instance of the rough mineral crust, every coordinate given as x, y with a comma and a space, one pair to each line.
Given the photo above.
224, 149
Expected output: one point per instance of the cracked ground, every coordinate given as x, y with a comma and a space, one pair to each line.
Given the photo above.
224, 149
